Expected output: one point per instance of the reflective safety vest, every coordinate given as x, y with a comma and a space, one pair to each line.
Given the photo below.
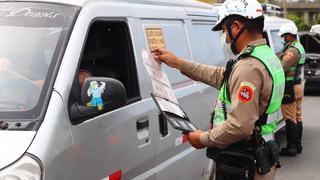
266, 56
297, 45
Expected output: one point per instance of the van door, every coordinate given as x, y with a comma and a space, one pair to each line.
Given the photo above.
119, 143
175, 158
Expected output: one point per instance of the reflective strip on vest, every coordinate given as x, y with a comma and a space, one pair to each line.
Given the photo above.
266, 56
271, 124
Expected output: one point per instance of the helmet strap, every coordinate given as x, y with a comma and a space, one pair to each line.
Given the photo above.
233, 40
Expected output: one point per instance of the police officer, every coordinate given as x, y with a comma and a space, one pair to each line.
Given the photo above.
251, 88
292, 59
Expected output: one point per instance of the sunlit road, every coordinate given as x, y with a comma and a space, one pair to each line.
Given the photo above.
305, 166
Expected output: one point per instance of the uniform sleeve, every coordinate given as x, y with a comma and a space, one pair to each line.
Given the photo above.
245, 84
207, 74
290, 58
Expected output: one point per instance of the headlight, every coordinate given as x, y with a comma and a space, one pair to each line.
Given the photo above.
317, 73
26, 168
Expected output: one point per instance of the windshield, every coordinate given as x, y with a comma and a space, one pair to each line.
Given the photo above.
276, 41
31, 39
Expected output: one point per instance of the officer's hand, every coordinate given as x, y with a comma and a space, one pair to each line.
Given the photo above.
194, 139
4, 64
163, 55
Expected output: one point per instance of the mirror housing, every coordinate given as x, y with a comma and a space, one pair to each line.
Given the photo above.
98, 95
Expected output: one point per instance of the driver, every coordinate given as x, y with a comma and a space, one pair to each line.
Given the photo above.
5, 67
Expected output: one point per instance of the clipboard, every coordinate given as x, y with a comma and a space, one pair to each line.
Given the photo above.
174, 114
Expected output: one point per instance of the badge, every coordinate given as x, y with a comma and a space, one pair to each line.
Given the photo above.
288, 56
245, 94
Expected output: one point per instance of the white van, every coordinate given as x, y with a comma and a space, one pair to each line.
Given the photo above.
49, 129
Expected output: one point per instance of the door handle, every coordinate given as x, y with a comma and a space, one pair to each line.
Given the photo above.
142, 124
163, 125
143, 131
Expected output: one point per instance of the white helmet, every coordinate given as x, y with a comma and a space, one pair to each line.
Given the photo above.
250, 9
289, 28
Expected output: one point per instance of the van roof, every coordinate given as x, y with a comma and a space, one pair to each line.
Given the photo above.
181, 3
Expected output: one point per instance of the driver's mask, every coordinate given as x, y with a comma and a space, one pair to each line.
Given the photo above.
226, 46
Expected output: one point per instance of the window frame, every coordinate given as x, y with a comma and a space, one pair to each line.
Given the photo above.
75, 93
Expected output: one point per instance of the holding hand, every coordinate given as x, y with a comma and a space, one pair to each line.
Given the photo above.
194, 139
163, 55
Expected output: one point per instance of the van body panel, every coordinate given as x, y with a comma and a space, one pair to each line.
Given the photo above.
156, 12
112, 142
14, 145
114, 134
53, 143
186, 3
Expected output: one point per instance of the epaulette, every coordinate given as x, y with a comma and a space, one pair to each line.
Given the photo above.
246, 52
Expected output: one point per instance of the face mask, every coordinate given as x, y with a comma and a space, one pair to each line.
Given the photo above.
226, 47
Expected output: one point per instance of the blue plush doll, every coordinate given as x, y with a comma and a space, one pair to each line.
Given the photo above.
96, 91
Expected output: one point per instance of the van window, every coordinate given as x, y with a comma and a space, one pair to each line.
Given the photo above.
175, 40
276, 40
206, 44
108, 53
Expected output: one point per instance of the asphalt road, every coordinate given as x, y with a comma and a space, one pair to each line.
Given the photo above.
305, 166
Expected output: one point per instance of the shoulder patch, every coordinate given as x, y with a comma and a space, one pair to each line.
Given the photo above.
288, 56
245, 93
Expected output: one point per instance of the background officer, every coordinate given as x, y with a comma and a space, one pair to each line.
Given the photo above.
292, 60
250, 89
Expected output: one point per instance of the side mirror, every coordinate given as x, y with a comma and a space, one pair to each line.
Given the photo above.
98, 95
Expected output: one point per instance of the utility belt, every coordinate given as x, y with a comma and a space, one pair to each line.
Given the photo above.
289, 96
243, 159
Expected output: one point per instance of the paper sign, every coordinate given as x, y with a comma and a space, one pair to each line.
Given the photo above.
155, 37
160, 82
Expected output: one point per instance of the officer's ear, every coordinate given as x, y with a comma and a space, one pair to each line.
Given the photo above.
237, 27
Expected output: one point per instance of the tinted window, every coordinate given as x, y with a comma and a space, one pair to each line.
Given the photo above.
108, 53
